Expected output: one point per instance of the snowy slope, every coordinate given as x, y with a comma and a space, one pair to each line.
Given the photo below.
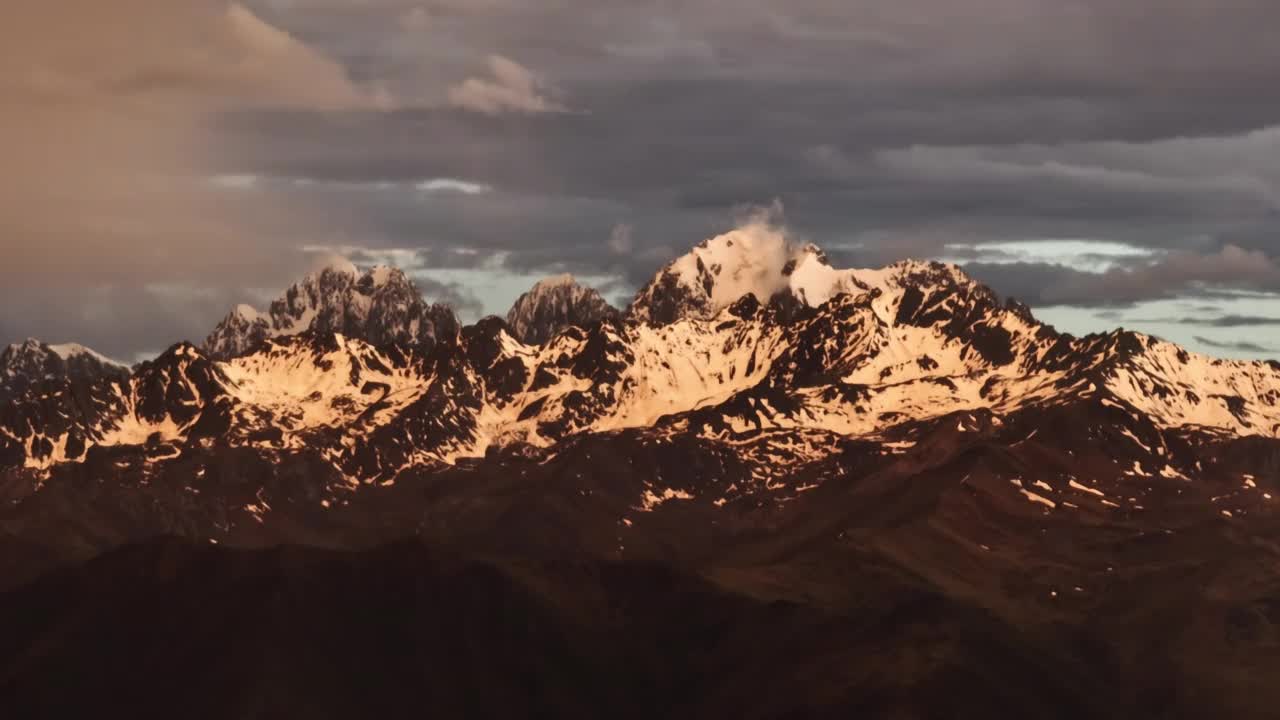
1177, 388
296, 386
69, 351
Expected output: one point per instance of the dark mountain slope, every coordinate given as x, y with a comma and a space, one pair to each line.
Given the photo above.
401, 631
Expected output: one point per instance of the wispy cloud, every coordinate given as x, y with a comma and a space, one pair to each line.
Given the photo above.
510, 87
453, 185
234, 182
1224, 321
1243, 346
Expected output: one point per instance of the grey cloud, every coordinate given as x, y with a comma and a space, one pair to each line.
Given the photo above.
105, 136
1222, 193
1177, 274
1231, 267
1243, 346
1030, 282
1230, 321
511, 88
119, 320
1224, 321
889, 128
207, 53
620, 239
107, 147
461, 299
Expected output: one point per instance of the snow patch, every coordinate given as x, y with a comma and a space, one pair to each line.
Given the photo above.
1039, 499
67, 351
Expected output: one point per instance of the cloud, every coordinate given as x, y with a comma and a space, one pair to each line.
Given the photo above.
110, 182
463, 301
512, 88
1242, 346
206, 53
1231, 321
1087, 255
235, 182
1228, 188
117, 319
107, 139
621, 241
1172, 275
453, 185
204, 142
1223, 321
415, 19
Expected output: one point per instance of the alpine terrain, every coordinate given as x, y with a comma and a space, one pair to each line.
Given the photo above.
768, 488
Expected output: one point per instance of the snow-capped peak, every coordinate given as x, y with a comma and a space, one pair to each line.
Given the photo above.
24, 358
554, 281
554, 304
761, 260
67, 351
34, 359
336, 265
716, 273
32, 348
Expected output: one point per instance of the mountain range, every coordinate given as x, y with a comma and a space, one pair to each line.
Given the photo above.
768, 487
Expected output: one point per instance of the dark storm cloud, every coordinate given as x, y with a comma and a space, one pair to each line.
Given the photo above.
503, 136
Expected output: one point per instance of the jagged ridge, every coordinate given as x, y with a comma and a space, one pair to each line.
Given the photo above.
380, 306
805, 351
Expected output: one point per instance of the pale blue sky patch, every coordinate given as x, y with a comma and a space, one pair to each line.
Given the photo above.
1095, 256
496, 287
1231, 326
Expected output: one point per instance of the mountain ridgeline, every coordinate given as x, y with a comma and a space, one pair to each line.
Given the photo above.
883, 492
381, 307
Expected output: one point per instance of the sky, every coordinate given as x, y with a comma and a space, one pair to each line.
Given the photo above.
1109, 162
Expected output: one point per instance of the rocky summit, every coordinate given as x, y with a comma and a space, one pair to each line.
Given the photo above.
553, 305
379, 306
768, 488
